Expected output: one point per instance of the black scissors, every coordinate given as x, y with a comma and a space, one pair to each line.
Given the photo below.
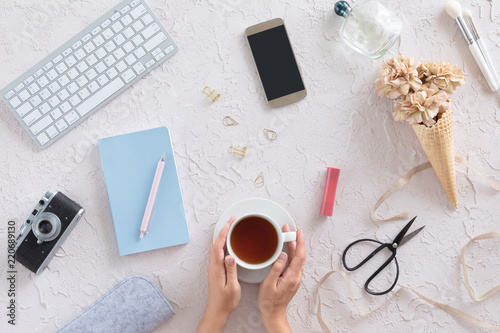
393, 246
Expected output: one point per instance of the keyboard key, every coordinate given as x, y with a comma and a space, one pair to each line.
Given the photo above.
98, 41
43, 80
130, 59
72, 87
45, 93
126, 20
119, 54
139, 53
63, 80
138, 26
10, 94
15, 102
32, 117
150, 63
24, 95
96, 30
35, 101
61, 125
107, 33
23, 110
52, 74
48, 66
91, 60
82, 67
77, 44
128, 75
121, 66
100, 96
86, 38
109, 60
19, 87
54, 87
150, 31
44, 108
57, 59
93, 86
105, 23
169, 49
137, 12
67, 52
155, 41
70, 61
71, 117
138, 40
102, 80
54, 101
128, 47
128, 32
52, 132
147, 19
139, 68
101, 67
75, 100
33, 88
84, 93
117, 27
101, 53
40, 126
61, 68
38, 73
56, 114
115, 16
135, 3
159, 56
110, 46
82, 80
91, 74
72, 73
42, 138
65, 107
80, 54
112, 73
63, 94
28, 80
125, 9
119, 40
89, 47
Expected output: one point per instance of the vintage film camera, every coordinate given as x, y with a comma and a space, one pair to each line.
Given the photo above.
46, 229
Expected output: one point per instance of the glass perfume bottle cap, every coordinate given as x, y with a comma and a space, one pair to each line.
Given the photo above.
342, 8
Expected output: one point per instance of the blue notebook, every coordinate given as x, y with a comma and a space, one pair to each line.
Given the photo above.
129, 162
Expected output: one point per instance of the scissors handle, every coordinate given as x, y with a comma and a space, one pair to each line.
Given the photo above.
384, 265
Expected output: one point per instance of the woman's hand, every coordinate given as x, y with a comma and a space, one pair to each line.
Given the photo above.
224, 291
277, 290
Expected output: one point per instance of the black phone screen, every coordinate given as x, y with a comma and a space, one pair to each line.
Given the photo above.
275, 62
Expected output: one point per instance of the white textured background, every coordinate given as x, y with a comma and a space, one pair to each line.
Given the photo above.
341, 123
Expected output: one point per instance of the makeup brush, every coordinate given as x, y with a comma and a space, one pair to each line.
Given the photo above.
454, 9
482, 47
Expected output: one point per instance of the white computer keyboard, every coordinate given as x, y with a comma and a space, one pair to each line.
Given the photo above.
88, 71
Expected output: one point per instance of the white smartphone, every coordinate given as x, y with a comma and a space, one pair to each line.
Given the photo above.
273, 56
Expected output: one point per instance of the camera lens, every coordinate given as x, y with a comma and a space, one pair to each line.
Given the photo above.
45, 227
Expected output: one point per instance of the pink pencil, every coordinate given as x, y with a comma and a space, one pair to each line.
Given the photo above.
152, 196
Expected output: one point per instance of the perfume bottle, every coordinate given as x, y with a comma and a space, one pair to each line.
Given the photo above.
369, 28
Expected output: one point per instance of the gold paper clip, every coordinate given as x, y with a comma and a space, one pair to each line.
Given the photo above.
212, 95
239, 150
270, 134
259, 181
228, 121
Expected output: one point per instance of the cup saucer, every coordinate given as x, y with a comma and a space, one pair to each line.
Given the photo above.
255, 205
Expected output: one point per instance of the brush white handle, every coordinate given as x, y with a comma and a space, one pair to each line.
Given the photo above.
486, 56
478, 56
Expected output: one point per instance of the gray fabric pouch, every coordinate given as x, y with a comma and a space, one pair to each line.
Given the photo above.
135, 305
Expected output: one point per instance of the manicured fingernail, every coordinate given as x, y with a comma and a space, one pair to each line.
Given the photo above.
282, 256
229, 260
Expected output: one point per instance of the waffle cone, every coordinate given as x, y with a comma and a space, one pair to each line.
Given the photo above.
437, 142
